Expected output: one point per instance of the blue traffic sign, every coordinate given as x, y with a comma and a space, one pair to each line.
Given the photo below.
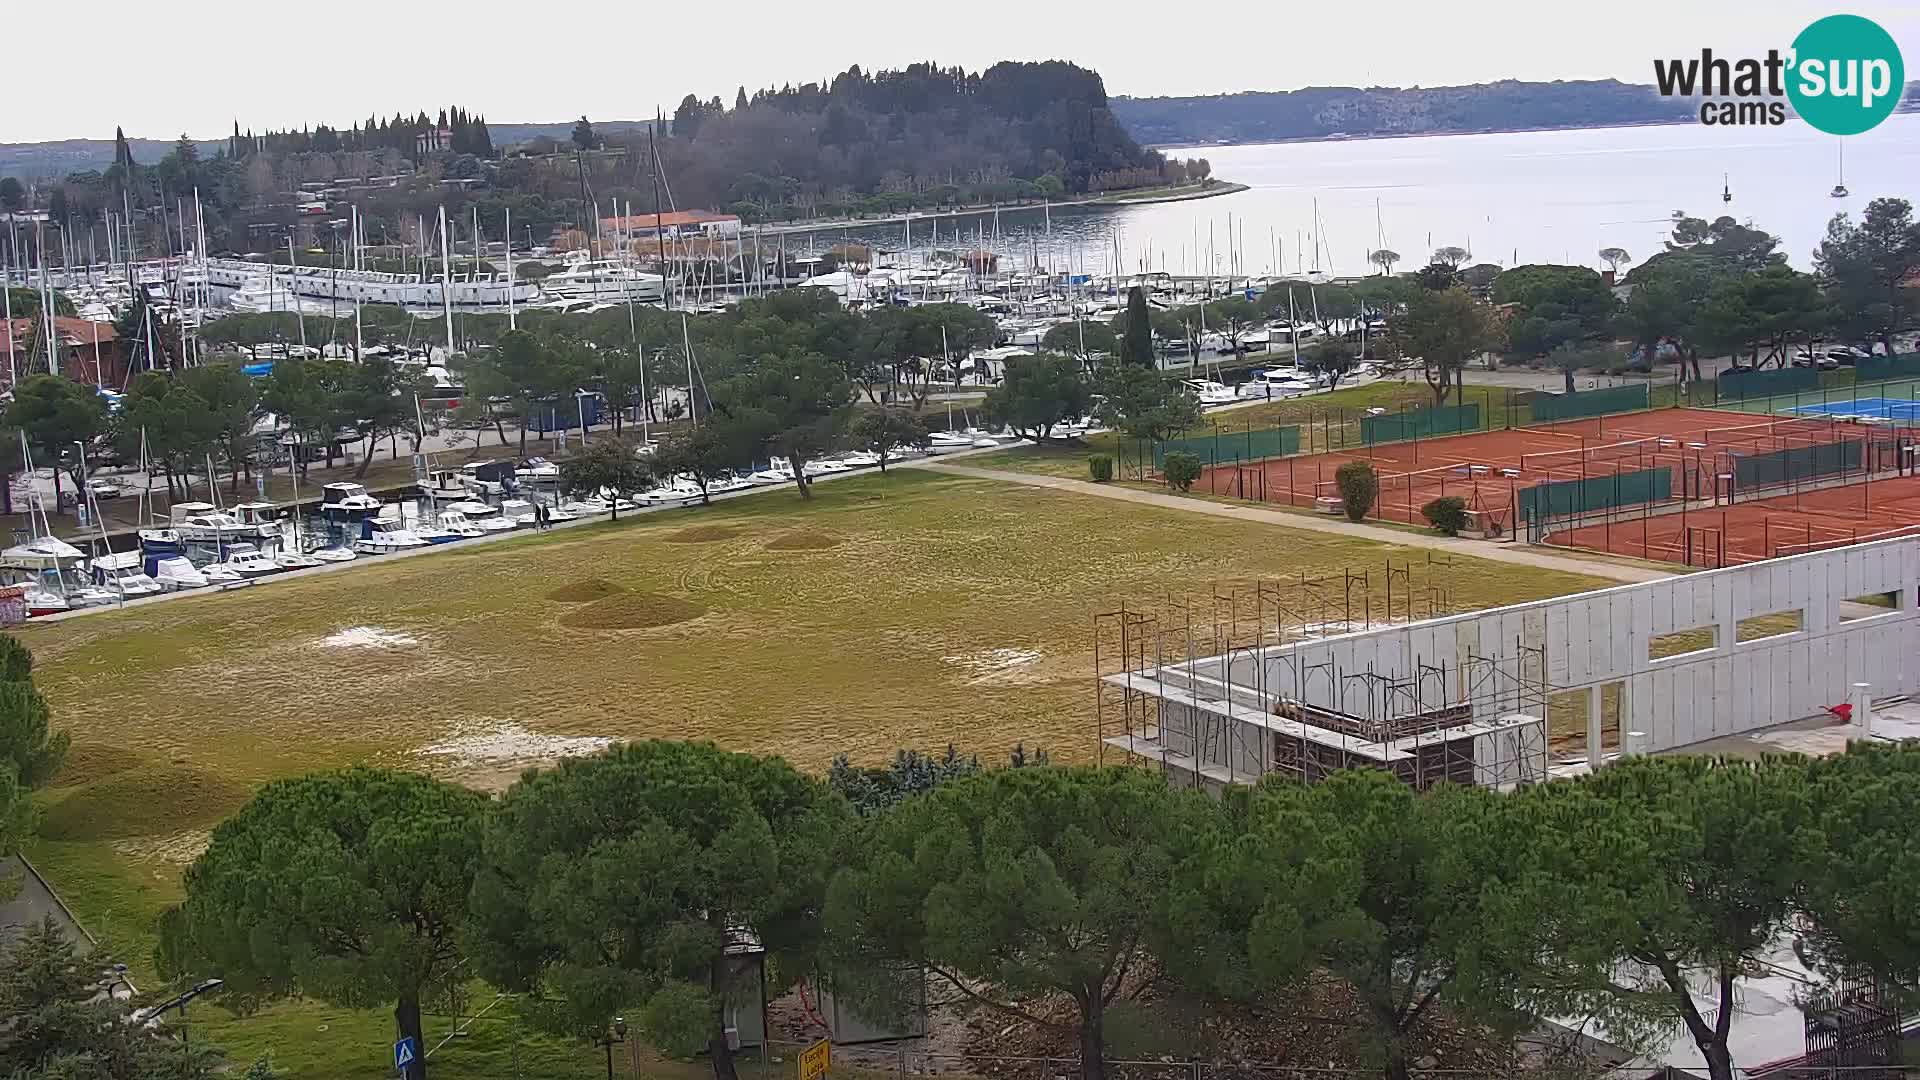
404, 1052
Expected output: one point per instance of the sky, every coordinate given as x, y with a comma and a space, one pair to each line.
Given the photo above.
167, 69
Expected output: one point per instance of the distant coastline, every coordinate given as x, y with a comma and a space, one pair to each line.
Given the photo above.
1117, 198
1383, 135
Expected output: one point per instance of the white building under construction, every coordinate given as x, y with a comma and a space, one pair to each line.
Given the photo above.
1247, 686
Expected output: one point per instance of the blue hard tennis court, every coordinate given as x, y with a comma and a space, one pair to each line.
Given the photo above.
1873, 408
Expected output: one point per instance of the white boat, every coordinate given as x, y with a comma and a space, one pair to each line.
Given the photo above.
260, 294
248, 561
470, 508
729, 483
120, 572
347, 502
335, 554
825, 466
604, 280
221, 574
537, 471
176, 572
487, 477
445, 485
941, 442
860, 459
41, 600
294, 560
384, 535
456, 525
201, 521
778, 471
557, 514
1210, 392
262, 517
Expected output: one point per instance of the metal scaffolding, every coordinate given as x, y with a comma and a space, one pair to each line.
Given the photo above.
1211, 690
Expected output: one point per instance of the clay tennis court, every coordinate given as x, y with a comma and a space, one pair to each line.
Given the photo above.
1814, 520
1489, 469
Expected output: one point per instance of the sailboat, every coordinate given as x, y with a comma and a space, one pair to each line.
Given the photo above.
1840, 189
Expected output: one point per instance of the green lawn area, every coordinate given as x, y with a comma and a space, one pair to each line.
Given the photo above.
910, 610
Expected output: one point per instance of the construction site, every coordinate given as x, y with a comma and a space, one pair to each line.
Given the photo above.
1268, 679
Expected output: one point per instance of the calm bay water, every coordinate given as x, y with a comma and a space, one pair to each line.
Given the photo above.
1524, 197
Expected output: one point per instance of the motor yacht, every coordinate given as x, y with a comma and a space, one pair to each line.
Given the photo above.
248, 561
537, 471
121, 572
457, 526
382, 535
347, 502
287, 559
175, 572
201, 521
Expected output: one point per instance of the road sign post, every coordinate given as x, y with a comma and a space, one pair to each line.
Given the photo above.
816, 1060
405, 1052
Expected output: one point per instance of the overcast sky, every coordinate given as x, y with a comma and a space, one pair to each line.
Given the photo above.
159, 70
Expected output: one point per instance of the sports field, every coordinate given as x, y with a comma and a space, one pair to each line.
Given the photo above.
1490, 469
911, 610
1808, 520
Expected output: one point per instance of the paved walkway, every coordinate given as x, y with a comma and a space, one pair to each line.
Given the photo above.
1520, 554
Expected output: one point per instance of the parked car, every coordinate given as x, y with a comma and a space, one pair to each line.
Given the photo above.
1805, 359
1847, 355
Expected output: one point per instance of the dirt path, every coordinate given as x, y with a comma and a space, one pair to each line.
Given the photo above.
1480, 549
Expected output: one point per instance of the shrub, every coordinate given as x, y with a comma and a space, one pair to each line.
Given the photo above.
1181, 469
1358, 488
1447, 514
1100, 467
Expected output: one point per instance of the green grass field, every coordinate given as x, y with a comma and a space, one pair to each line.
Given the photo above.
910, 610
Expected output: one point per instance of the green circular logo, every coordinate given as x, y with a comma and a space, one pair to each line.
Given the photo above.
1846, 75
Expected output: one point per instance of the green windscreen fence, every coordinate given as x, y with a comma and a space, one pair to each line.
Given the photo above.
1570, 498
1419, 423
1233, 444
1882, 368
1797, 463
1547, 408
1740, 385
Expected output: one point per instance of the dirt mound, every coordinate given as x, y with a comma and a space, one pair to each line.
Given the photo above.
143, 802
586, 592
804, 540
633, 611
90, 761
703, 534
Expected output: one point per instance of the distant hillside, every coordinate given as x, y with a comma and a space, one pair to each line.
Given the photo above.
506, 135
55, 159
50, 159
1318, 112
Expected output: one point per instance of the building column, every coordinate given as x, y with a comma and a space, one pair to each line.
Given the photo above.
1594, 737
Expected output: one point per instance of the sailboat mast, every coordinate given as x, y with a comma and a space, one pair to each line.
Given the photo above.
512, 323
446, 279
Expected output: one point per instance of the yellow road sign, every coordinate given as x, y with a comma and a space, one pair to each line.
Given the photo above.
815, 1060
